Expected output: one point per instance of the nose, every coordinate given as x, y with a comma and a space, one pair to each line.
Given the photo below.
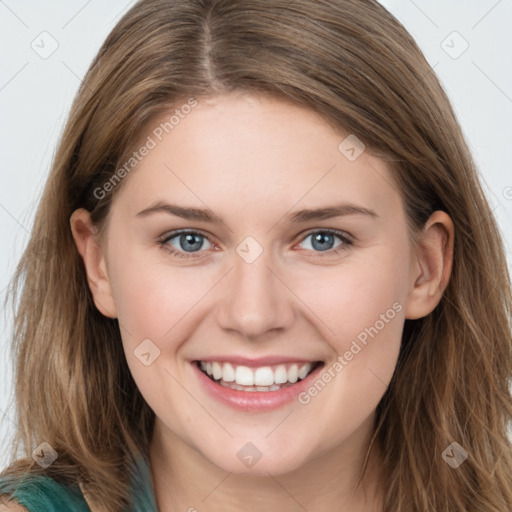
255, 299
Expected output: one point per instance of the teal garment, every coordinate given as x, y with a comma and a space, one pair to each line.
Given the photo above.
41, 493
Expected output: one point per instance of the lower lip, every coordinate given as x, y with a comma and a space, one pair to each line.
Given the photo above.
255, 400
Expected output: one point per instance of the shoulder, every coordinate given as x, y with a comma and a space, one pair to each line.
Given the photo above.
11, 506
39, 492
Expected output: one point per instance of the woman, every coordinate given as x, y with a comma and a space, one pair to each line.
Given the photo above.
187, 337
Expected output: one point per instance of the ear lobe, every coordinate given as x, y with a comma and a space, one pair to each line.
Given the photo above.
433, 265
85, 237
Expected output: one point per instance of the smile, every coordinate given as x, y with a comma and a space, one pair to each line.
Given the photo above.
255, 385
263, 378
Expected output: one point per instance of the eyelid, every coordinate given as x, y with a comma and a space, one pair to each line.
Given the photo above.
337, 232
185, 231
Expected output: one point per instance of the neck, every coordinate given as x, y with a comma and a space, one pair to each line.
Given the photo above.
185, 480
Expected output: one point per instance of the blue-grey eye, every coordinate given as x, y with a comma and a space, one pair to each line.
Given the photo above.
187, 242
323, 240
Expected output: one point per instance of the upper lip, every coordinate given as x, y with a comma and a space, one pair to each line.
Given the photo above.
257, 362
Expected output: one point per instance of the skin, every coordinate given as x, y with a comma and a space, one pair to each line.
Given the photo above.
11, 506
253, 160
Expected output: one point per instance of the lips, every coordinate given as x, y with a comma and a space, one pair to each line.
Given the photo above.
254, 397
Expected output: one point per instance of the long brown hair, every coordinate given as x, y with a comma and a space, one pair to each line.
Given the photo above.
353, 63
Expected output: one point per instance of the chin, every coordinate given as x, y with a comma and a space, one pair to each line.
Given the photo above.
259, 458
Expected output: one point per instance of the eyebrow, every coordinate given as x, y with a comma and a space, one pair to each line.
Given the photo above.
198, 214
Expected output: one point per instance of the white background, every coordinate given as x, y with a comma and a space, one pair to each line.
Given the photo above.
36, 93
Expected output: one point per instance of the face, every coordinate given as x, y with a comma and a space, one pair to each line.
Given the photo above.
297, 317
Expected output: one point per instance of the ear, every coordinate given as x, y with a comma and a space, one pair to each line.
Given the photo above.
432, 267
86, 240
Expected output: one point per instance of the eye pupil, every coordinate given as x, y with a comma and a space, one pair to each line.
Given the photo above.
191, 241
321, 239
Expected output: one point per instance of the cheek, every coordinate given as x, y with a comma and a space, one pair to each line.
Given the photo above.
362, 306
153, 296
354, 296
155, 303
365, 312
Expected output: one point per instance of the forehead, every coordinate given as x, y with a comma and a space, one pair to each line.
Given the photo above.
246, 152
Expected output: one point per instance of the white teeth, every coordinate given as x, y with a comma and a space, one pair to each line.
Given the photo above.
303, 372
293, 373
281, 375
228, 373
217, 371
264, 378
244, 376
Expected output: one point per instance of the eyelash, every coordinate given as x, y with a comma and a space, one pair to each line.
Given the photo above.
347, 242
